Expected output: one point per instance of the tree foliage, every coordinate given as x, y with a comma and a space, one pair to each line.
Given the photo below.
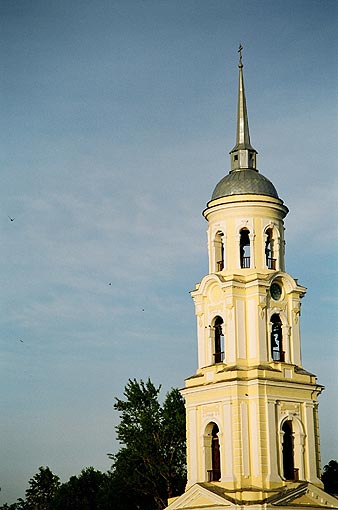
42, 489
83, 492
330, 477
20, 504
152, 460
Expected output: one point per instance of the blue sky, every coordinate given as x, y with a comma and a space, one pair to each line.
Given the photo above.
117, 118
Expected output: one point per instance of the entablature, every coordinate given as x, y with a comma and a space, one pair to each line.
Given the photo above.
273, 374
249, 280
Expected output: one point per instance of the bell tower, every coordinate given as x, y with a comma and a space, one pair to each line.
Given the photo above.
251, 406
252, 423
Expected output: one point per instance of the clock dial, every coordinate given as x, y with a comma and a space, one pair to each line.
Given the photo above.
275, 291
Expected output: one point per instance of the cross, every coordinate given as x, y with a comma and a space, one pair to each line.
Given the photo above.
240, 54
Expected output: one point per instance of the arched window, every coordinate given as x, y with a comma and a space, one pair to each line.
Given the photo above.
277, 352
270, 258
215, 456
218, 340
213, 459
244, 248
219, 251
292, 449
289, 471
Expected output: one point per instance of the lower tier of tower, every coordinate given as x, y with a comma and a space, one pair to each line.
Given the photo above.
254, 427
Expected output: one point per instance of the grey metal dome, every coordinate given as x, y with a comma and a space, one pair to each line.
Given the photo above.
244, 182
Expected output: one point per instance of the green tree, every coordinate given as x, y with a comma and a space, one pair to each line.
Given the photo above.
330, 477
20, 504
42, 489
83, 492
120, 493
174, 439
150, 467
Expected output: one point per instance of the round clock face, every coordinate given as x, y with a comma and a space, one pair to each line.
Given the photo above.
275, 291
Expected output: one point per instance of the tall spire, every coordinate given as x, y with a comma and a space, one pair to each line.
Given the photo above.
243, 155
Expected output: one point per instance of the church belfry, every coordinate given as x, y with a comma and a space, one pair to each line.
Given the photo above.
252, 422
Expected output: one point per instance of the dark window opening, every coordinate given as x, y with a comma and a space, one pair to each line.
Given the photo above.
214, 474
219, 340
219, 247
236, 157
245, 248
269, 252
289, 471
277, 352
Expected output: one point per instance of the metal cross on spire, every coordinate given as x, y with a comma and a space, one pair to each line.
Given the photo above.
240, 55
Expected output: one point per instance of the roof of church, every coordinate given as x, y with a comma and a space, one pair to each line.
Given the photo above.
244, 182
295, 495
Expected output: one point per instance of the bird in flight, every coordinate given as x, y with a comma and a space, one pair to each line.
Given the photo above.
21, 340
12, 219
109, 283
